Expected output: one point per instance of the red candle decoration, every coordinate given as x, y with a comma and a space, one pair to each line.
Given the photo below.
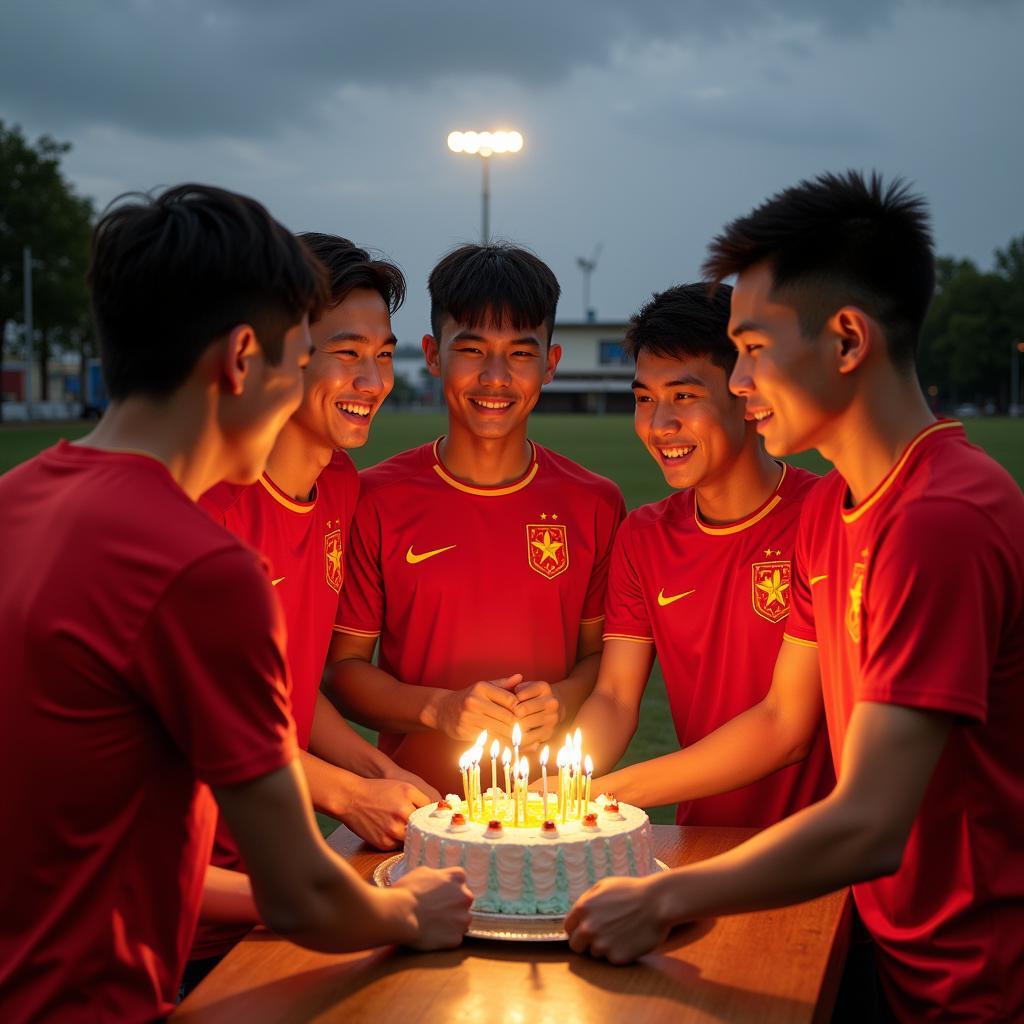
549, 826
495, 829
458, 818
443, 805
612, 807
590, 819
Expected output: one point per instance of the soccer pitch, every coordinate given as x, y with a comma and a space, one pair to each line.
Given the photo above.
604, 444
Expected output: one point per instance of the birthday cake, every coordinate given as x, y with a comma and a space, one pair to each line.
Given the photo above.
519, 860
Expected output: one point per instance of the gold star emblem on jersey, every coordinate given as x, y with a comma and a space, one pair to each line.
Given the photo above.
333, 561
770, 589
547, 548
855, 599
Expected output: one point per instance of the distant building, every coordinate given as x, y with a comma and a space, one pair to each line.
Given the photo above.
594, 374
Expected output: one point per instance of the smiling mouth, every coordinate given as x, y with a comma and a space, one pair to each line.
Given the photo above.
676, 454
358, 411
761, 414
492, 404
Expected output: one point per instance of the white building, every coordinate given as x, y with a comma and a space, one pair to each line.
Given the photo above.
594, 374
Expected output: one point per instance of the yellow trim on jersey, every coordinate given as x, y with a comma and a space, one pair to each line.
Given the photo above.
626, 636
355, 632
800, 643
721, 531
486, 492
590, 622
271, 488
854, 514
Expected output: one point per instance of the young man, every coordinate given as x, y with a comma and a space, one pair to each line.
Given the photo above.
297, 516
702, 578
479, 561
143, 646
908, 617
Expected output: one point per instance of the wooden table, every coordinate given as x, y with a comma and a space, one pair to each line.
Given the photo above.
778, 965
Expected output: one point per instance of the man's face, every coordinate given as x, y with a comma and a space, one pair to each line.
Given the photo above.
350, 373
686, 417
271, 394
491, 376
789, 381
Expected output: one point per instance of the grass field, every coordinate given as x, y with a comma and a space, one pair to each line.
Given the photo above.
604, 444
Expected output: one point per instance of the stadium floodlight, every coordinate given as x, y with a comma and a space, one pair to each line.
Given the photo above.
485, 145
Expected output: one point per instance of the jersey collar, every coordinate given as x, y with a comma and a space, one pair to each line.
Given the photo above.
485, 492
302, 507
743, 524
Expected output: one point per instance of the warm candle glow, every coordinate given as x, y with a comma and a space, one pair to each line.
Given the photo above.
589, 765
544, 776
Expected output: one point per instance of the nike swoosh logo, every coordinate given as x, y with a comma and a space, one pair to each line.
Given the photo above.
663, 600
414, 559
274, 583
818, 579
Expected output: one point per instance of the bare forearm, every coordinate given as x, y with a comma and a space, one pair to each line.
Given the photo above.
573, 691
227, 898
745, 749
379, 700
818, 850
607, 726
332, 790
335, 741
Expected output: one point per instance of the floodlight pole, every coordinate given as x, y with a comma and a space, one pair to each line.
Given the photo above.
485, 216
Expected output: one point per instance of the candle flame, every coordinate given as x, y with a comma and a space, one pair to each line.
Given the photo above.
544, 756
577, 740
524, 766
495, 747
481, 740
589, 765
506, 757
517, 735
560, 760
464, 761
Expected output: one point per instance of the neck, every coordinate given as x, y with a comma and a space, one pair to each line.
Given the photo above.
180, 431
296, 461
867, 440
485, 461
742, 487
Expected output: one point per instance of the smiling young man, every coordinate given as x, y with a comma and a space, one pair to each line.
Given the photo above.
703, 578
479, 561
297, 517
143, 648
907, 616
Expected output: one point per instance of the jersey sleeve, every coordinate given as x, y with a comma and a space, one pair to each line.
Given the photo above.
934, 607
800, 628
217, 500
609, 517
361, 604
626, 615
210, 661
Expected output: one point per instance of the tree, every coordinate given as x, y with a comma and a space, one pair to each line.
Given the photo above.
39, 208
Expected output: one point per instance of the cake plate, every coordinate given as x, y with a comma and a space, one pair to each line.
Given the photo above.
505, 927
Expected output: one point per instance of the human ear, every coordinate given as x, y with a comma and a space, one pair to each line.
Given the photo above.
432, 354
855, 335
553, 357
240, 348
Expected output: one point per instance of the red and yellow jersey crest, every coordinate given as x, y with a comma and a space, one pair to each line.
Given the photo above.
770, 589
547, 549
334, 560
855, 598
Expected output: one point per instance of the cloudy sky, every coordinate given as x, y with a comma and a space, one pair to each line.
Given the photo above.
647, 124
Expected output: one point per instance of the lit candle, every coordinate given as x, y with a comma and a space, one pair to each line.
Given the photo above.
560, 762
463, 765
568, 796
544, 777
506, 760
589, 765
524, 767
516, 800
494, 778
517, 738
478, 753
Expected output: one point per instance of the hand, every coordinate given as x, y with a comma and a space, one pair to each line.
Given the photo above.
440, 908
380, 809
396, 774
539, 711
619, 919
464, 714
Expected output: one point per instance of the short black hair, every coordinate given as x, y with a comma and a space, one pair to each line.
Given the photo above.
496, 283
684, 322
840, 239
171, 274
349, 267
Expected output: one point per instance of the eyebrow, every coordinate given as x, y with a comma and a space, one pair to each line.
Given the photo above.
355, 336
687, 381
743, 328
470, 335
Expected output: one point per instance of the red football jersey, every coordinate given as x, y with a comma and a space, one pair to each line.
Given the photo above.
916, 597
467, 583
143, 652
304, 543
714, 601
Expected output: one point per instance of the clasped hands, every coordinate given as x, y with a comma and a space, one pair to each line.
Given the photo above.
497, 705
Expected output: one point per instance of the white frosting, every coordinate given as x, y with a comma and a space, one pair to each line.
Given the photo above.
618, 846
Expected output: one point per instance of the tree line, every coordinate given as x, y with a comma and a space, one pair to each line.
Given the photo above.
966, 354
